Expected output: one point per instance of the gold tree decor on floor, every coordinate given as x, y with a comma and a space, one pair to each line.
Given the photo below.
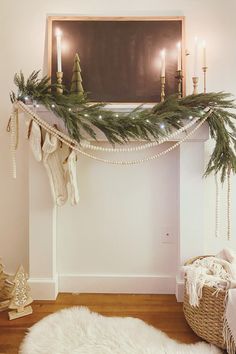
5, 289
21, 297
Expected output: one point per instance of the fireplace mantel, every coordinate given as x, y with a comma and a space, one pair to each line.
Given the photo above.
43, 215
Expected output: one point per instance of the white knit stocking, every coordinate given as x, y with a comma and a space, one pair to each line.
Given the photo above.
71, 177
54, 168
35, 139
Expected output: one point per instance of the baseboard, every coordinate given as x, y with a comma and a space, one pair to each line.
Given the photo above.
131, 284
44, 288
179, 289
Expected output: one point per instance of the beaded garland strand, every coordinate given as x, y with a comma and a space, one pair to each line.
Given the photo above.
144, 146
80, 115
74, 145
71, 143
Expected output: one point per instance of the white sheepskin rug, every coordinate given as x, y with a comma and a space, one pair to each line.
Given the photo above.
76, 330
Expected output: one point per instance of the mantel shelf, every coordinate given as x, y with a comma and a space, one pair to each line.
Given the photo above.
202, 134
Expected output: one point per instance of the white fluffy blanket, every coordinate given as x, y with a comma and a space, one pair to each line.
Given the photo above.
78, 331
218, 272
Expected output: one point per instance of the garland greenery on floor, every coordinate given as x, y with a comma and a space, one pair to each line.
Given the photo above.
81, 116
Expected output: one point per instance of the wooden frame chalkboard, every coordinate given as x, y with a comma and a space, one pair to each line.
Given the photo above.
119, 55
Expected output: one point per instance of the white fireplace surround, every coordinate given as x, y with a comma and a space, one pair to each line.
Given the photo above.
45, 282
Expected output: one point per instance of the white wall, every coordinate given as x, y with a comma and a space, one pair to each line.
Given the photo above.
123, 209
91, 237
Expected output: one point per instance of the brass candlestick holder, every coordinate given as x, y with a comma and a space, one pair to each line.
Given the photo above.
179, 77
163, 82
204, 69
59, 82
195, 85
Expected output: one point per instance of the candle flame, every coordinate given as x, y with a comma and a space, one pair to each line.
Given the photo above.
58, 32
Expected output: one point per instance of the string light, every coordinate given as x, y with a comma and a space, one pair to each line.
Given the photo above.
117, 115
190, 117
162, 126
100, 117
69, 109
147, 120
86, 115
74, 145
53, 105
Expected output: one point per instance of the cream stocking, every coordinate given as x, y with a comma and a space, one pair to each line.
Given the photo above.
35, 139
71, 177
54, 168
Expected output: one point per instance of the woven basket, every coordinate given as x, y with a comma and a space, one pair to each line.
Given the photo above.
207, 319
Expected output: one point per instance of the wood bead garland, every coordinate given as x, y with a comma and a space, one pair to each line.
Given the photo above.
74, 145
229, 204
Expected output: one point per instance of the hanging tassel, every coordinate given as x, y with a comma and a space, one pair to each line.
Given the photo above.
229, 204
217, 211
12, 127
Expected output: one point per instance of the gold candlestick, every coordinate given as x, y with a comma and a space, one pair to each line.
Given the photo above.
163, 82
204, 69
59, 82
179, 77
195, 85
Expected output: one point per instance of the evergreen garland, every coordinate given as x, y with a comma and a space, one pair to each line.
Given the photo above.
80, 116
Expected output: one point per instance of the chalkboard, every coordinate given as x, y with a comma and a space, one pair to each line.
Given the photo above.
119, 57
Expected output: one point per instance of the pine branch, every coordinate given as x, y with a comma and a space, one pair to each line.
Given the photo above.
81, 117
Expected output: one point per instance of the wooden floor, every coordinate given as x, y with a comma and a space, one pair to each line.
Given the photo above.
161, 311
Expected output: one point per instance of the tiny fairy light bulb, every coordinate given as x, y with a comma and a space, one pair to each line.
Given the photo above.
162, 125
100, 117
58, 34
163, 63
53, 106
117, 115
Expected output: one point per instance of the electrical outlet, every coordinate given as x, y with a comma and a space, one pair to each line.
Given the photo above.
167, 235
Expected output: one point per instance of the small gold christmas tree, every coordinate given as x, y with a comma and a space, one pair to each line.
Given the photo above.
21, 297
76, 81
3, 277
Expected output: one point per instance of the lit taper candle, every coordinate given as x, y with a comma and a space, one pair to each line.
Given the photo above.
179, 65
58, 37
195, 71
204, 64
163, 63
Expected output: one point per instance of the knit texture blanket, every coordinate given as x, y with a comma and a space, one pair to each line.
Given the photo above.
218, 272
